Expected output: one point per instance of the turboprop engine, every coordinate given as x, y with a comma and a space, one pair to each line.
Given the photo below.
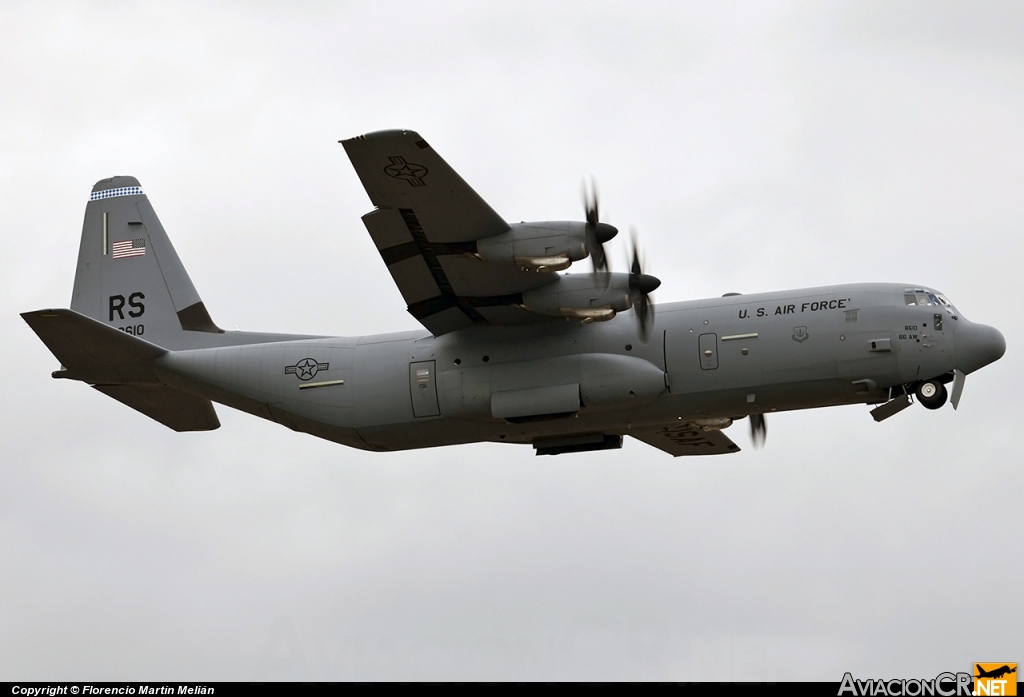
590, 297
545, 246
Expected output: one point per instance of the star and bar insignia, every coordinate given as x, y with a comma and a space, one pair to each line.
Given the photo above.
407, 171
306, 369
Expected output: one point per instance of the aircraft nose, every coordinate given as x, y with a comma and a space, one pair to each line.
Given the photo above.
977, 345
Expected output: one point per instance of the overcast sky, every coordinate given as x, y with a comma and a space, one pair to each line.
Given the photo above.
756, 146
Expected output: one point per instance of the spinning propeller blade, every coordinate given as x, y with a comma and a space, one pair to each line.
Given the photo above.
597, 232
758, 430
641, 286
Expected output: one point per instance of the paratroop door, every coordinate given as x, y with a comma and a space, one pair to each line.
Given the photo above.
423, 387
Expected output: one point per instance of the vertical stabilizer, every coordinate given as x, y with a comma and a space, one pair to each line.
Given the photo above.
129, 275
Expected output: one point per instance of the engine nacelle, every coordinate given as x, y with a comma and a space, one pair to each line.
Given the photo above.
584, 297
543, 247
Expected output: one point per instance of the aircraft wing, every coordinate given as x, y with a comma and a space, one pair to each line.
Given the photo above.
686, 439
426, 225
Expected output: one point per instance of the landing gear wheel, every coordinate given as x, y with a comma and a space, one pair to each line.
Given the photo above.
931, 394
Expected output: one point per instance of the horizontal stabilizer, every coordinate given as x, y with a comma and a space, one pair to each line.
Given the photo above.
173, 408
96, 353
92, 351
686, 439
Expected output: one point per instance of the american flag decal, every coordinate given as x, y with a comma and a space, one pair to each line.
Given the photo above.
128, 248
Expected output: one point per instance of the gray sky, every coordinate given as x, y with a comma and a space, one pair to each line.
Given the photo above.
756, 146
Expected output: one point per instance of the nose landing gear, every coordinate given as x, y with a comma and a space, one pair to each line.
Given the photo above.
931, 394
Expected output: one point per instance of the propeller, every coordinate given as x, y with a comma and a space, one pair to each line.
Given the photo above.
641, 286
758, 430
597, 232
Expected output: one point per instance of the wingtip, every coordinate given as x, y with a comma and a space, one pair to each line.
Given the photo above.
48, 312
381, 135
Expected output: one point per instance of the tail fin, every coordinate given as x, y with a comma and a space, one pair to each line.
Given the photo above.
129, 276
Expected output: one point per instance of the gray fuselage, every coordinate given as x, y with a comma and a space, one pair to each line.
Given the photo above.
723, 357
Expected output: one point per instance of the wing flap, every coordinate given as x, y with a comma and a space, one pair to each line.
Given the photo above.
388, 231
414, 280
683, 439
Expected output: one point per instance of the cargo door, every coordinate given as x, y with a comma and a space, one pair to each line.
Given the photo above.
423, 388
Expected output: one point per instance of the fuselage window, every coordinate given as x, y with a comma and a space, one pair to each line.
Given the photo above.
946, 304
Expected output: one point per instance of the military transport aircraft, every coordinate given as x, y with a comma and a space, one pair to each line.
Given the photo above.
514, 351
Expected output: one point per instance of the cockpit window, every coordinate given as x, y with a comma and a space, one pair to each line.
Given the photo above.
923, 296
919, 296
